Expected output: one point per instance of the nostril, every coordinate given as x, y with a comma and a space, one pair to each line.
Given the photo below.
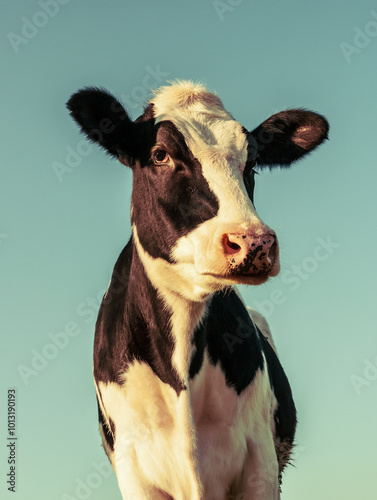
230, 247
273, 249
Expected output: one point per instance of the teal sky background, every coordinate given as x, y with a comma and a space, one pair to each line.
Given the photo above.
59, 238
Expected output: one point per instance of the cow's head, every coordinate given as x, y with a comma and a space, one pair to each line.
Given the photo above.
192, 213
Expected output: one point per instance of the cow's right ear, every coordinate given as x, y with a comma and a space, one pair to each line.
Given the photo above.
105, 121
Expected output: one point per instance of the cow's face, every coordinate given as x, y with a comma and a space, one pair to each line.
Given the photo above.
192, 212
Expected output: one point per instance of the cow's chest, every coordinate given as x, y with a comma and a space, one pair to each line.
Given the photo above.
227, 425
208, 429
220, 433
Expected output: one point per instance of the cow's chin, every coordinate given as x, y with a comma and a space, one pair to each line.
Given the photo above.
243, 279
250, 278
246, 279
203, 285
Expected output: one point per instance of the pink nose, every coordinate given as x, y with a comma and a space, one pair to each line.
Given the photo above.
250, 254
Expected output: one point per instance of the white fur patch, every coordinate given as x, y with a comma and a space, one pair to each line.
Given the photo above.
198, 445
179, 279
154, 446
189, 96
220, 145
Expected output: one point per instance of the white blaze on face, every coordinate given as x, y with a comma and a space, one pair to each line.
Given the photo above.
219, 143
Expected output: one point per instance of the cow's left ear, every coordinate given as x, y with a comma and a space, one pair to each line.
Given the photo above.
105, 121
286, 137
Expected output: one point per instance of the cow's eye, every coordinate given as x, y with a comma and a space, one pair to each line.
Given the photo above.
160, 156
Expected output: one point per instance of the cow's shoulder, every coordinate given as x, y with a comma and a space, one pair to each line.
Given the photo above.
241, 344
285, 415
261, 322
111, 338
285, 418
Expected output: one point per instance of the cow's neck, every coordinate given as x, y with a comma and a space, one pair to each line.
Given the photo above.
185, 316
171, 319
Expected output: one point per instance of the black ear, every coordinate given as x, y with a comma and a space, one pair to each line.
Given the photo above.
286, 137
104, 121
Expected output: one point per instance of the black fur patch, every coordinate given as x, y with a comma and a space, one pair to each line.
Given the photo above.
104, 120
285, 415
200, 341
133, 324
249, 178
109, 434
169, 202
286, 137
231, 340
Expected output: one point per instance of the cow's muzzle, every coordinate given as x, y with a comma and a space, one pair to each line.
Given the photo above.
248, 254
238, 253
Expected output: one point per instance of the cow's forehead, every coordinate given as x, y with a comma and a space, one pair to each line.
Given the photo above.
200, 116
188, 96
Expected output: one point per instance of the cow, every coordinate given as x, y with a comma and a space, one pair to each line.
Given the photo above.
193, 401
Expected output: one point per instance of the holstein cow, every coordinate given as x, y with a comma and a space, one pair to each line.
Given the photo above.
193, 401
